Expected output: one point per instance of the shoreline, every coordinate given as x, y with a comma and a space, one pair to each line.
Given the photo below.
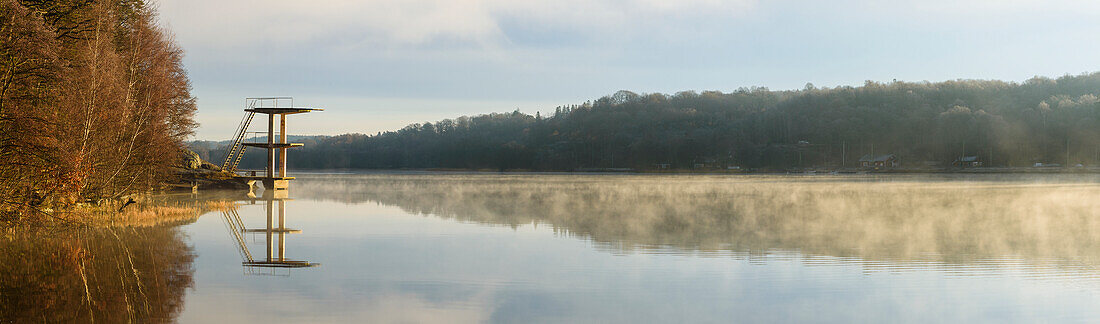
808, 171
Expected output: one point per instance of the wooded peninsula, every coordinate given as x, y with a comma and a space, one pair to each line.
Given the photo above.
899, 125
94, 104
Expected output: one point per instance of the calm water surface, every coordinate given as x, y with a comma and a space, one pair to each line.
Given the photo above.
598, 248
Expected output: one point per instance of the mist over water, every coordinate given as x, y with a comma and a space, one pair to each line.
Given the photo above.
898, 218
482, 247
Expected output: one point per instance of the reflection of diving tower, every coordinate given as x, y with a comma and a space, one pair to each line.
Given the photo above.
274, 177
276, 251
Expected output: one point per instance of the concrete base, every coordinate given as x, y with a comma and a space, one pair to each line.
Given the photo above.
277, 188
276, 194
276, 184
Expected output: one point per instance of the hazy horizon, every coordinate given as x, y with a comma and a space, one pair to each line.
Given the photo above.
380, 65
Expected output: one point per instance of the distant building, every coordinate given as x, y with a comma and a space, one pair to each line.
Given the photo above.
662, 166
879, 161
968, 162
706, 164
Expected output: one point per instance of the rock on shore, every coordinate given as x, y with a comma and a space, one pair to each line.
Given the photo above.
192, 171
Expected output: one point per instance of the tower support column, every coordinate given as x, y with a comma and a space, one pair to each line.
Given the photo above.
270, 144
282, 140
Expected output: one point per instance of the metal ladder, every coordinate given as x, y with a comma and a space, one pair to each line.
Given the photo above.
240, 154
236, 150
236, 229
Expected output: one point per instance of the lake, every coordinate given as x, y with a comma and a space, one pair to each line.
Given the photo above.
480, 247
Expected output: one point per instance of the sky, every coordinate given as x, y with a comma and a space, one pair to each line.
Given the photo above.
378, 65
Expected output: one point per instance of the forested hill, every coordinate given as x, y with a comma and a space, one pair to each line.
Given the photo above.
1003, 123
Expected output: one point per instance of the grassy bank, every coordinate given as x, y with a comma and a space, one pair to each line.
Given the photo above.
152, 211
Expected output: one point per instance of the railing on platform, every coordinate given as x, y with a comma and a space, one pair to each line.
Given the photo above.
270, 102
261, 138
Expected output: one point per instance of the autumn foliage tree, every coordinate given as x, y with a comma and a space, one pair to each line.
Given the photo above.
94, 103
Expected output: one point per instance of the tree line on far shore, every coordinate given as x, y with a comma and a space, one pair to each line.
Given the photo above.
1041, 120
94, 103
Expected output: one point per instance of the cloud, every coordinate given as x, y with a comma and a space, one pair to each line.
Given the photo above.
981, 10
413, 22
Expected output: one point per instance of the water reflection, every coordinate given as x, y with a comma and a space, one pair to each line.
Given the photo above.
963, 224
107, 275
275, 235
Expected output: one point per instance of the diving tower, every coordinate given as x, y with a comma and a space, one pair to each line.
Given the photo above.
274, 177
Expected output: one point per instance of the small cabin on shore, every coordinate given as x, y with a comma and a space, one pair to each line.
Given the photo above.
879, 161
